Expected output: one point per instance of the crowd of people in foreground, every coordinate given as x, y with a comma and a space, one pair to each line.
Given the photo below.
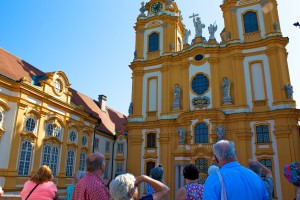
228, 180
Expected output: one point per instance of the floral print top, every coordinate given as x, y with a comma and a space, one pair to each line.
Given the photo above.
194, 191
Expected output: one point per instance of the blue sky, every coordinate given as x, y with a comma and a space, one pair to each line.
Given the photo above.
93, 41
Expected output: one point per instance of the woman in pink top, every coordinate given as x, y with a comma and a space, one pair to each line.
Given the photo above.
41, 186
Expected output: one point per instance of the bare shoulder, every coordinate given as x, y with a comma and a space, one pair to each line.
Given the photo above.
180, 194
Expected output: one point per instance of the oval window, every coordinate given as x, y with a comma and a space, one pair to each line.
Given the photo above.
198, 57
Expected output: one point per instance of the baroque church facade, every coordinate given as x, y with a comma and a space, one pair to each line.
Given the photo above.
187, 96
43, 121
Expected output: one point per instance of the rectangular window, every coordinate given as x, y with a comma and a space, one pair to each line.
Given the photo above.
151, 140
262, 134
107, 144
96, 143
120, 148
119, 168
106, 170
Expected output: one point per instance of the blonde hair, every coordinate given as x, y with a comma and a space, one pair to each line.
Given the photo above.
43, 174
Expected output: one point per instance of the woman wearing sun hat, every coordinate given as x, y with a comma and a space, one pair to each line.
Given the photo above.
292, 174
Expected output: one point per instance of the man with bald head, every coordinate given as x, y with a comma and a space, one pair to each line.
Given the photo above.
91, 186
238, 182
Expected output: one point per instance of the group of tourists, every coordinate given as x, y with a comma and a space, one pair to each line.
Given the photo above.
228, 179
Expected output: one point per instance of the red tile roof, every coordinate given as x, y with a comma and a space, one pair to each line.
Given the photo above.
16, 68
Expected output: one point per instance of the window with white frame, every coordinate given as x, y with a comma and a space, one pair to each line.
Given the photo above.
50, 158
84, 140
53, 130
262, 134
25, 158
54, 160
106, 170
82, 162
72, 136
120, 148
57, 132
70, 163
30, 124
50, 128
96, 143
107, 144
119, 168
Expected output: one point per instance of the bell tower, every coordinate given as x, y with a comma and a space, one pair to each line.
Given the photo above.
249, 21
159, 30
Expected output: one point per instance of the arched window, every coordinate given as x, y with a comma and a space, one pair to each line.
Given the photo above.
149, 166
70, 163
51, 158
57, 132
201, 133
47, 154
82, 162
54, 160
250, 22
151, 140
50, 128
73, 136
153, 42
25, 158
262, 134
84, 140
30, 124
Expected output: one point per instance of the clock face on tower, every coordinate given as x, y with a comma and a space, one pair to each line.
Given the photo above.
156, 7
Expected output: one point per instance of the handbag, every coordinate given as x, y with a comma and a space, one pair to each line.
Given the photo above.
223, 190
31, 191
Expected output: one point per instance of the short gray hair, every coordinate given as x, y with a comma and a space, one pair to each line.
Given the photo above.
94, 162
79, 175
224, 150
120, 187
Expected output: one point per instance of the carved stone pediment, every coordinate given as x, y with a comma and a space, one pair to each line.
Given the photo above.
154, 23
52, 140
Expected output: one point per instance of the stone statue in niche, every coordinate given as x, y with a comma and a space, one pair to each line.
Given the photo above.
220, 131
182, 135
187, 34
130, 109
142, 9
228, 36
212, 30
172, 47
226, 91
177, 97
289, 91
276, 26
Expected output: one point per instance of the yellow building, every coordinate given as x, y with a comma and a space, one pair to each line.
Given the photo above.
44, 121
186, 96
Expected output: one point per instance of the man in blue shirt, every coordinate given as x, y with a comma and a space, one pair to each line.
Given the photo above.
239, 182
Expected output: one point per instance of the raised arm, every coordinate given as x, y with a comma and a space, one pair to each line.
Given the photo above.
161, 190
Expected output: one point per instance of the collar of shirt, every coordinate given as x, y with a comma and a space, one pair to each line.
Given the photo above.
230, 164
94, 176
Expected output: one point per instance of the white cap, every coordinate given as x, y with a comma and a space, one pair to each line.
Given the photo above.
212, 169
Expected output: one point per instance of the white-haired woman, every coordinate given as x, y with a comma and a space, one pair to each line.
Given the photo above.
125, 187
70, 188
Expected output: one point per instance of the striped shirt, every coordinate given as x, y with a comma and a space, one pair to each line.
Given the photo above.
90, 187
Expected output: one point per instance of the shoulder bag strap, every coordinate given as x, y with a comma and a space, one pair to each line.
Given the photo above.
31, 191
223, 190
